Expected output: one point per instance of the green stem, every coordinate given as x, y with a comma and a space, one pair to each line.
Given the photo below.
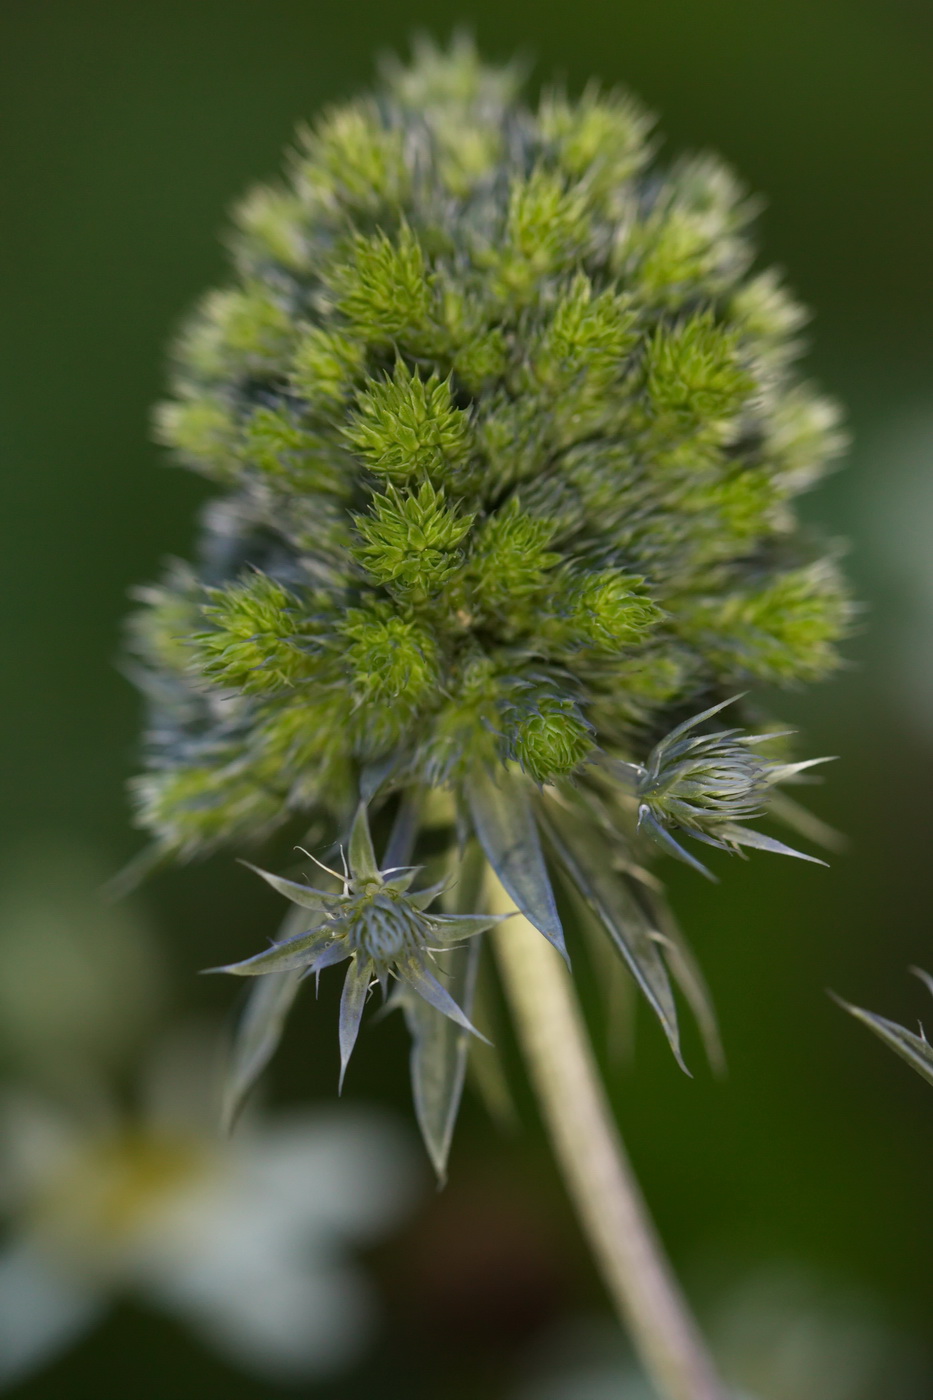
596, 1168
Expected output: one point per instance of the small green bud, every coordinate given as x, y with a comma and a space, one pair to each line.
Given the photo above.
589, 334
694, 376
803, 435
237, 333
326, 367
202, 430
708, 785
547, 228
452, 78
406, 426
700, 782
195, 807
260, 641
270, 230
285, 451
385, 291
550, 739
510, 560
607, 611
390, 659
762, 308
782, 630
161, 632
691, 236
411, 542
603, 136
350, 158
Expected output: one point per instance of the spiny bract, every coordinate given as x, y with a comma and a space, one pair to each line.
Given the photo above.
508, 433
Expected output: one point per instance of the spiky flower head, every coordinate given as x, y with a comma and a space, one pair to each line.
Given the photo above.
379, 924
708, 785
507, 434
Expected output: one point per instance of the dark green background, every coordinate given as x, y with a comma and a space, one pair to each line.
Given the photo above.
127, 129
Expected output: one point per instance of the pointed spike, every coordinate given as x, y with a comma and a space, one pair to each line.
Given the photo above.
401, 877
421, 980
686, 725
505, 825
915, 1049
362, 855
673, 848
454, 927
291, 953
256, 1039
784, 771
304, 895
747, 836
609, 896
352, 1001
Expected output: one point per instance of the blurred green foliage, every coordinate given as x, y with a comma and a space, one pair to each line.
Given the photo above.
126, 131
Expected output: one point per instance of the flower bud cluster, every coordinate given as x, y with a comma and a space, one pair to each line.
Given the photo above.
507, 436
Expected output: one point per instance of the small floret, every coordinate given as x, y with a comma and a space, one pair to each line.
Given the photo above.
377, 923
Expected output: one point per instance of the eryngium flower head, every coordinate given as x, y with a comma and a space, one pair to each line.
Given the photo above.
507, 434
379, 924
707, 785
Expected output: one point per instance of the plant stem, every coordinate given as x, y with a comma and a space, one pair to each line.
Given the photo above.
594, 1162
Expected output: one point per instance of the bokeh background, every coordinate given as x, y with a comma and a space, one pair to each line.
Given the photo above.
794, 1193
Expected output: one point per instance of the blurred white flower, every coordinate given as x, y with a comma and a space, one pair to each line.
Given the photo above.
249, 1240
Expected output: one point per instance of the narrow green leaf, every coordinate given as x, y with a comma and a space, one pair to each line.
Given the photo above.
418, 977
665, 840
439, 1054
686, 973
747, 836
363, 864
505, 825
915, 1049
605, 892
304, 895
352, 1001
259, 1028
257, 1037
292, 953
451, 928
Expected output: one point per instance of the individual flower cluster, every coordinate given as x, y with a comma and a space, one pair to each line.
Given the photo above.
379, 924
708, 786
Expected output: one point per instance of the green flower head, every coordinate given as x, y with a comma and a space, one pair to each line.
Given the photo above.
506, 432
377, 923
708, 785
